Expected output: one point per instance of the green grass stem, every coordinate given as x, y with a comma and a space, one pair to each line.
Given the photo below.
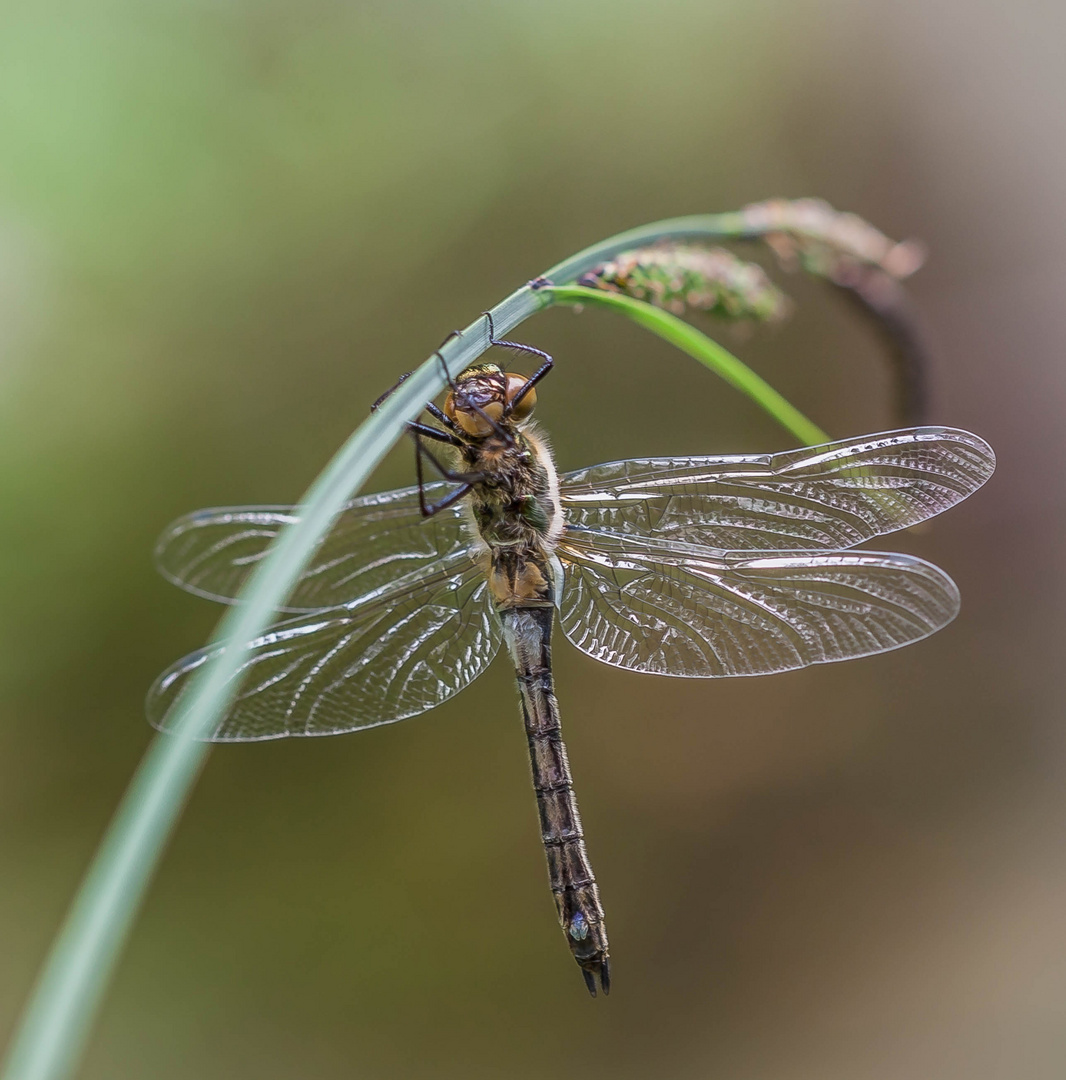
704, 349
55, 1025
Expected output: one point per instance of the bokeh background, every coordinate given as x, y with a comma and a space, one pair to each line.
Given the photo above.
225, 228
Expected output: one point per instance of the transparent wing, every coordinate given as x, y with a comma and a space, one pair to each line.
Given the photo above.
376, 540
826, 497
411, 646
673, 609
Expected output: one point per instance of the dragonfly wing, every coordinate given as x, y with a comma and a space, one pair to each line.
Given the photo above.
375, 540
411, 646
821, 498
674, 609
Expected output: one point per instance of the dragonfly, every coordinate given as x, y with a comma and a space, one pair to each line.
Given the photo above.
697, 567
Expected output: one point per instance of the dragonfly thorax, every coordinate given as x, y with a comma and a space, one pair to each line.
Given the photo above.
516, 510
516, 503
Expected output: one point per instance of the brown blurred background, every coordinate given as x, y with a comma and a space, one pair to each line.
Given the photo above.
225, 228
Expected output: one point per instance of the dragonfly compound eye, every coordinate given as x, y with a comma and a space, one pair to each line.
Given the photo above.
476, 403
528, 401
475, 419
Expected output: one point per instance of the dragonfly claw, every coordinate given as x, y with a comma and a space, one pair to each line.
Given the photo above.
604, 969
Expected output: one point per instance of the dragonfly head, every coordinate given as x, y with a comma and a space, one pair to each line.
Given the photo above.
483, 395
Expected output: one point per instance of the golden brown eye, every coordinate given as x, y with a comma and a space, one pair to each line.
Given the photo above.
529, 398
473, 423
469, 421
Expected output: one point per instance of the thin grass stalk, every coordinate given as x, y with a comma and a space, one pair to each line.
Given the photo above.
885, 305
702, 348
55, 1025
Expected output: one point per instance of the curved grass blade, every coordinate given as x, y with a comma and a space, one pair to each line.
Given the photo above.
53, 1029
699, 346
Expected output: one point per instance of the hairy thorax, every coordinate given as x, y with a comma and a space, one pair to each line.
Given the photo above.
516, 513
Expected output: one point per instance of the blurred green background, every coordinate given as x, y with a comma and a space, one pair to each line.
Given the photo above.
224, 229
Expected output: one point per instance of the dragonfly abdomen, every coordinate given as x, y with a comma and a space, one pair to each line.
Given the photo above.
527, 631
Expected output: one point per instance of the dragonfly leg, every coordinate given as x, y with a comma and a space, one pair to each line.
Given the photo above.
537, 375
433, 410
440, 359
517, 346
417, 432
429, 509
426, 432
465, 479
529, 384
441, 416
391, 390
